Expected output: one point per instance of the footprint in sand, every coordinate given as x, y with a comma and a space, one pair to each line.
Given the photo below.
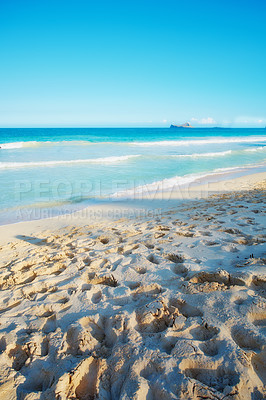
19, 356
259, 365
246, 338
186, 309
96, 297
133, 285
39, 378
179, 269
140, 269
102, 279
259, 284
155, 317
211, 347
258, 318
50, 324
217, 379
175, 258
204, 332
78, 340
104, 240
83, 382
8, 305
142, 293
153, 259
206, 282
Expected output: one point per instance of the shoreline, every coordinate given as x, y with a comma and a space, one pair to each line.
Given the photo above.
203, 189
147, 203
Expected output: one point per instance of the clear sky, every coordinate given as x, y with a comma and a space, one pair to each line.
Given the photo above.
132, 62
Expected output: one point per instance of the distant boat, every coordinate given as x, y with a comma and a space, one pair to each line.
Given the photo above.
186, 125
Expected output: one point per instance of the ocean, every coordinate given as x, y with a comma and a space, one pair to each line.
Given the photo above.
64, 169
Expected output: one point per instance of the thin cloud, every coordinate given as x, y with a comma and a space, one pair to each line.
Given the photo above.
204, 121
250, 120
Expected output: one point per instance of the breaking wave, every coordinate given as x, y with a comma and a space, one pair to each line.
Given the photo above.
102, 161
201, 141
195, 155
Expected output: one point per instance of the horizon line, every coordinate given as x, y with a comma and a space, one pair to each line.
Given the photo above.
132, 127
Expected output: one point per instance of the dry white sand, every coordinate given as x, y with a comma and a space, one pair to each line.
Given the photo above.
167, 305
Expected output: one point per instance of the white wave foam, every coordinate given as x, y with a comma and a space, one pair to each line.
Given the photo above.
17, 145
156, 186
105, 160
177, 181
201, 141
195, 155
65, 143
213, 140
254, 149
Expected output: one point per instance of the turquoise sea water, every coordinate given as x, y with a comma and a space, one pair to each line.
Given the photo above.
52, 168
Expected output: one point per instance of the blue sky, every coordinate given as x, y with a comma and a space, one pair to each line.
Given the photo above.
132, 63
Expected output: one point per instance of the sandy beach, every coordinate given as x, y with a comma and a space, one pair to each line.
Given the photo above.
161, 299
132, 200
